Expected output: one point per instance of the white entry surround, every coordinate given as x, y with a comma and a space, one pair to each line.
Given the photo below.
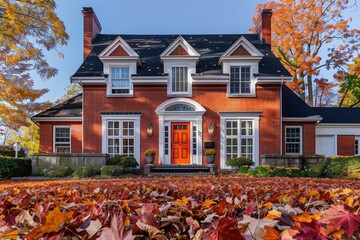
326, 136
166, 117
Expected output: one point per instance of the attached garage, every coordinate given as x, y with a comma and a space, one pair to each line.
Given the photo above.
326, 145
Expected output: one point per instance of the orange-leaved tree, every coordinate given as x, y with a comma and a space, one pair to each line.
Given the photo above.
305, 30
349, 82
26, 28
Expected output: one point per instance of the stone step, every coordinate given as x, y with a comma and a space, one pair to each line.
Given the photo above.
167, 169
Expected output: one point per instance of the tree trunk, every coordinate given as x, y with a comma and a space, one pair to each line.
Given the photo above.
302, 86
310, 90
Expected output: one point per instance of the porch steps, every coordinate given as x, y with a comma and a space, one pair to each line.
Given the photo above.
179, 170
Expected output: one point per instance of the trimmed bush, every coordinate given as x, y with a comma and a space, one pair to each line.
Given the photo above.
85, 171
337, 167
316, 170
252, 171
238, 162
111, 170
14, 167
280, 171
353, 169
293, 172
58, 171
264, 170
128, 163
243, 169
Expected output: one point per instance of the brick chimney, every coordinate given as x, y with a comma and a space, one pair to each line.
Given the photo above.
91, 28
263, 25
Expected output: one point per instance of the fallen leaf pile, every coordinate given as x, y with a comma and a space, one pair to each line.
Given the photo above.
223, 207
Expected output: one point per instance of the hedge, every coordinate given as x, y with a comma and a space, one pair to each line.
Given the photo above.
14, 167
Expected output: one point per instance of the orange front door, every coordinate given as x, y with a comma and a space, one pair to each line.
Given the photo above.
180, 143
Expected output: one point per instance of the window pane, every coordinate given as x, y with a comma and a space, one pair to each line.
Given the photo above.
179, 79
292, 141
120, 80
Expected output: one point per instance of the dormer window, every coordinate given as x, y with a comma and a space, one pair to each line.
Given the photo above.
120, 80
240, 81
179, 80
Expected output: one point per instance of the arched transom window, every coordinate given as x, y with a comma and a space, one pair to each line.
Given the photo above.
179, 108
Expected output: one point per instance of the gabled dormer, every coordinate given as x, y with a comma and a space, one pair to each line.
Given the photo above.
120, 63
179, 60
241, 62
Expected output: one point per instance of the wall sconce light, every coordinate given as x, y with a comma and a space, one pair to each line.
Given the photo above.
149, 129
211, 129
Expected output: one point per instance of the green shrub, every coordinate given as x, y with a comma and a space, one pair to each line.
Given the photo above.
85, 171
336, 167
149, 152
353, 169
243, 169
8, 151
316, 170
264, 170
238, 162
279, 171
111, 170
252, 171
293, 172
128, 163
14, 167
58, 171
210, 152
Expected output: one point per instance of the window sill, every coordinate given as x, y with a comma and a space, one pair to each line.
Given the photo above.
179, 94
241, 95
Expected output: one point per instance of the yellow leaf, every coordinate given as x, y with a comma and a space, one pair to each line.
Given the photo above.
182, 202
268, 205
208, 202
302, 200
10, 235
312, 192
282, 198
350, 201
338, 234
345, 191
273, 214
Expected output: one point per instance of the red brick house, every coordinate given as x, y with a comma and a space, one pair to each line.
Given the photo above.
180, 94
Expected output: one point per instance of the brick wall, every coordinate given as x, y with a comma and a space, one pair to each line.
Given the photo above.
345, 145
213, 98
46, 136
308, 136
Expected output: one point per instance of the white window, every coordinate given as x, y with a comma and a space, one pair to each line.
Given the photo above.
120, 137
62, 140
240, 81
293, 143
239, 138
179, 80
120, 80
357, 152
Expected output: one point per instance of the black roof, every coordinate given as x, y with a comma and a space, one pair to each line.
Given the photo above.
149, 48
338, 115
293, 106
69, 108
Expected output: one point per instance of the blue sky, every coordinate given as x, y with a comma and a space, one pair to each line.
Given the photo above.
144, 17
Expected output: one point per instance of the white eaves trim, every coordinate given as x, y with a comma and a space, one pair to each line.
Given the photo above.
337, 125
315, 118
105, 54
274, 79
149, 82
88, 80
242, 41
56, 119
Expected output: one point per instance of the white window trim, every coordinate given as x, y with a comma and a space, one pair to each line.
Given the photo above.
301, 140
252, 83
252, 116
189, 79
119, 117
109, 82
54, 135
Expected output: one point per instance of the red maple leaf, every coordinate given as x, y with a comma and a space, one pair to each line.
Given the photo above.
336, 217
226, 229
310, 231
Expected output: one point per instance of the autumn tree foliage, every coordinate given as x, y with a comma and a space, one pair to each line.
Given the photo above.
28, 137
27, 28
350, 85
303, 30
70, 91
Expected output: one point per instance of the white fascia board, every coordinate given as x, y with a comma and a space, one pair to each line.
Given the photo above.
149, 82
315, 118
56, 119
180, 58
337, 125
274, 79
240, 114
118, 42
88, 80
179, 41
206, 77
209, 82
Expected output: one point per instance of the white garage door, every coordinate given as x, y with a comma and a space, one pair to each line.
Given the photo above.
325, 145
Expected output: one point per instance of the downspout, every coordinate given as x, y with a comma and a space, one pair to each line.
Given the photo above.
281, 124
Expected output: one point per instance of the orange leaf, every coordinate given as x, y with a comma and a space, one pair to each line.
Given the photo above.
273, 214
208, 203
271, 234
350, 201
288, 234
